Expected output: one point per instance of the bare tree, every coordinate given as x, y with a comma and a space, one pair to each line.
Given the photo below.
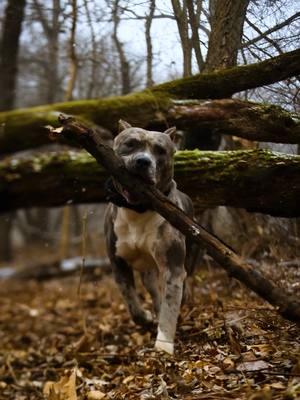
9, 49
148, 23
194, 20
51, 30
181, 17
124, 63
73, 65
91, 84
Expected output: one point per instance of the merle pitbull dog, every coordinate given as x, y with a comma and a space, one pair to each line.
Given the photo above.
139, 238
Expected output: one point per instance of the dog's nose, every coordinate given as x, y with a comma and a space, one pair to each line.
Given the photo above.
142, 161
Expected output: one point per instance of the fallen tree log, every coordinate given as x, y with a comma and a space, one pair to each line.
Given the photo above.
257, 180
288, 306
248, 120
22, 129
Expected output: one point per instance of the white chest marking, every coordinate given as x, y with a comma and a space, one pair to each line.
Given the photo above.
136, 237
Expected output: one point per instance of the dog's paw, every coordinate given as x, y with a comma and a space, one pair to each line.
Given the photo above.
167, 347
144, 319
148, 316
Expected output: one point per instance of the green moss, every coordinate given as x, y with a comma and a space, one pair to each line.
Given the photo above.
229, 165
24, 128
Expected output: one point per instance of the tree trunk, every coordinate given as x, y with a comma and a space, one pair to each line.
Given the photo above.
194, 24
91, 84
72, 55
225, 39
124, 63
181, 17
6, 252
53, 40
51, 31
259, 181
148, 23
9, 48
24, 129
247, 120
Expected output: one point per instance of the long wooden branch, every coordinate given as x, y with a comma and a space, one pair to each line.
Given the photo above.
287, 306
257, 180
21, 129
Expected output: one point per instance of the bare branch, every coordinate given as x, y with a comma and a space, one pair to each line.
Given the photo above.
271, 30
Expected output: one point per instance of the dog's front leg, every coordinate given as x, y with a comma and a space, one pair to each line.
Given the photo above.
173, 274
151, 283
124, 277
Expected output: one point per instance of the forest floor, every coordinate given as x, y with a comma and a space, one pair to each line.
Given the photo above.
229, 343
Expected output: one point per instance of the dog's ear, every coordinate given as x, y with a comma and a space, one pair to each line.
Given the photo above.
171, 132
123, 125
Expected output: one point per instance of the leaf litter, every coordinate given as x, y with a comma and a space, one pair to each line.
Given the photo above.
56, 345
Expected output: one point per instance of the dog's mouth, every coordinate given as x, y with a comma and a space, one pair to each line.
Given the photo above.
129, 197
147, 175
132, 198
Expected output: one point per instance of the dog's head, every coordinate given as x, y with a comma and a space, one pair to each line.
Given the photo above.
148, 154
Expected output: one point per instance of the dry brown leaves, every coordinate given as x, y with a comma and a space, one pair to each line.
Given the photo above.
229, 345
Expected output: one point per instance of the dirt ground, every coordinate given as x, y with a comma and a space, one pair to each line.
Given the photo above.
229, 343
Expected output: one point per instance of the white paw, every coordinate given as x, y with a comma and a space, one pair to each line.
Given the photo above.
148, 316
162, 345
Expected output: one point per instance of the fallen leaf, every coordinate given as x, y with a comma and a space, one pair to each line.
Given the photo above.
64, 389
228, 364
277, 385
95, 395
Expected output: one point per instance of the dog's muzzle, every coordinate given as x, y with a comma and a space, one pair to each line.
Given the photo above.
142, 161
144, 167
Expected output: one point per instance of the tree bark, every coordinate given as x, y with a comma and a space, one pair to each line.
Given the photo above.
23, 129
148, 24
9, 49
256, 180
247, 120
72, 55
195, 39
225, 38
288, 306
124, 63
51, 30
6, 222
181, 17
92, 80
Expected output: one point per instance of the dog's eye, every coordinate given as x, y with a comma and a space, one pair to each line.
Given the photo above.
131, 143
160, 150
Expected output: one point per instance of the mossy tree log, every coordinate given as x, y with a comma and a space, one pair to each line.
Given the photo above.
248, 120
22, 129
256, 180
